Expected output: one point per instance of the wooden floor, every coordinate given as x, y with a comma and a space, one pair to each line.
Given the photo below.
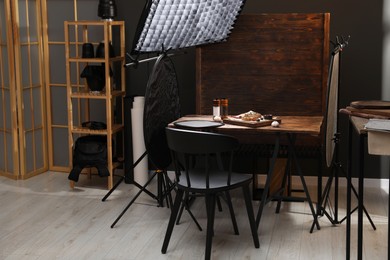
41, 218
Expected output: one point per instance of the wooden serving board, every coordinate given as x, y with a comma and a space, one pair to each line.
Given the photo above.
371, 104
237, 121
378, 112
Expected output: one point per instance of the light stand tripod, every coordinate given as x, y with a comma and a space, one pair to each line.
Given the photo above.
161, 89
163, 183
127, 177
332, 140
162, 186
326, 201
157, 32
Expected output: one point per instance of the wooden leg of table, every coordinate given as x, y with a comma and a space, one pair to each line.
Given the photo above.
268, 180
349, 184
361, 196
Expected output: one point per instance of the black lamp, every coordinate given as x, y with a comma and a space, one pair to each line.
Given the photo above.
107, 9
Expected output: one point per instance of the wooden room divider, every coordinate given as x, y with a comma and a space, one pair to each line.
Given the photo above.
33, 106
23, 118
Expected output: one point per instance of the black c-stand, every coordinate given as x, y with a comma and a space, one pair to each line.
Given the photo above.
332, 142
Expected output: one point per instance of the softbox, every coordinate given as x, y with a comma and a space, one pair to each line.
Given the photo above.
175, 24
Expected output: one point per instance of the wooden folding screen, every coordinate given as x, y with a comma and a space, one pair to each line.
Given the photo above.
23, 124
33, 108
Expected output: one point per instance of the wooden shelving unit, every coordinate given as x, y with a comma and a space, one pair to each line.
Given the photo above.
78, 95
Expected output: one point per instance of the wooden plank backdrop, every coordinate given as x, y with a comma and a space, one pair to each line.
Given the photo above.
271, 63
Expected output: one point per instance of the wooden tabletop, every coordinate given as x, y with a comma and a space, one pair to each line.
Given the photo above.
309, 125
358, 123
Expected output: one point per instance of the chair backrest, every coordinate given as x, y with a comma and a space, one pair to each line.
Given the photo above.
204, 150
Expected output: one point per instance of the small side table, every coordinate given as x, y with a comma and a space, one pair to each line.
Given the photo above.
357, 124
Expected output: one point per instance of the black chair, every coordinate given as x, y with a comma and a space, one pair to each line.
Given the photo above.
198, 158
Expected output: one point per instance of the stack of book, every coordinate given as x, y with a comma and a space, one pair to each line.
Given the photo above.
378, 131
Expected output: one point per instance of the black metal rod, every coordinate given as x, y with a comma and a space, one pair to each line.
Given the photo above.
364, 209
136, 62
291, 140
349, 184
132, 201
361, 196
268, 180
123, 177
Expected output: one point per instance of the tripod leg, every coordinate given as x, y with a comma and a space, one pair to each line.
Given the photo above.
132, 201
231, 210
123, 177
319, 193
112, 189
364, 210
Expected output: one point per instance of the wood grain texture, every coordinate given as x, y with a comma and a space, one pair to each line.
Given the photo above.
272, 64
42, 218
306, 127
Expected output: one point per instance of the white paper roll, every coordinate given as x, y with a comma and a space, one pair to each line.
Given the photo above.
137, 113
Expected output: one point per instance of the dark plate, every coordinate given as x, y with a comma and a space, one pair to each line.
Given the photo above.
197, 124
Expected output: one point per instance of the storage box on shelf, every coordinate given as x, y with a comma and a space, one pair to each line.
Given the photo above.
108, 38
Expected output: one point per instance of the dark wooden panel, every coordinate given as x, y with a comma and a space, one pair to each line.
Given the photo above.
272, 63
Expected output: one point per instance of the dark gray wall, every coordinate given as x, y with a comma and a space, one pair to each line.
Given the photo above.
361, 61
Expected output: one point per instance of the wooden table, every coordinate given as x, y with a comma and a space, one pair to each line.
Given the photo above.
309, 125
291, 126
356, 124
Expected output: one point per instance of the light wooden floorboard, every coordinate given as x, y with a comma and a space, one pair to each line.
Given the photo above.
42, 218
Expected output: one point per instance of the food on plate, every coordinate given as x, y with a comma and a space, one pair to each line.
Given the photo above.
250, 116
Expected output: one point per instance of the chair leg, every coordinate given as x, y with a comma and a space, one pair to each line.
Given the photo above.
231, 210
219, 205
210, 205
172, 219
183, 204
168, 187
251, 215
